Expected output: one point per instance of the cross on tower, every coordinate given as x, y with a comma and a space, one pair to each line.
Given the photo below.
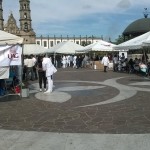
146, 13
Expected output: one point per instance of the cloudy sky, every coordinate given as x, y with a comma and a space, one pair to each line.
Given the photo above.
102, 18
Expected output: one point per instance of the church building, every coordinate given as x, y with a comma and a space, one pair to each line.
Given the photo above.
25, 30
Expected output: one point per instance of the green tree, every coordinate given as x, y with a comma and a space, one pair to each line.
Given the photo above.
119, 40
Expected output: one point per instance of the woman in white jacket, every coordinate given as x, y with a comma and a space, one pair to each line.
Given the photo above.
50, 70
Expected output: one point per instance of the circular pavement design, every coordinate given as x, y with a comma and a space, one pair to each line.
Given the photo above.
82, 106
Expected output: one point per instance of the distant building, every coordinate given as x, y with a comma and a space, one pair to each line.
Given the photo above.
48, 42
25, 30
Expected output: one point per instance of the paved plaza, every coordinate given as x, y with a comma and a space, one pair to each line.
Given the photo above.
88, 110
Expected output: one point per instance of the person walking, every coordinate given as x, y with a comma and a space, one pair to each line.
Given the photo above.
105, 62
50, 70
41, 73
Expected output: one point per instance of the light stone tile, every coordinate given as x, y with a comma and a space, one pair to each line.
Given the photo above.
20, 140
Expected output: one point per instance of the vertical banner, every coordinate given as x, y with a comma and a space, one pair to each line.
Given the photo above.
10, 55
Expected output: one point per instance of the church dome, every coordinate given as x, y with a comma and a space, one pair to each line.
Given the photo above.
137, 27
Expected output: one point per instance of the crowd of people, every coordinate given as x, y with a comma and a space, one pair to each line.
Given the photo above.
122, 64
41, 68
75, 61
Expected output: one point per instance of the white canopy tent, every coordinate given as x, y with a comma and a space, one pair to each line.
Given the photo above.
135, 43
66, 47
8, 39
97, 46
10, 54
34, 49
10, 49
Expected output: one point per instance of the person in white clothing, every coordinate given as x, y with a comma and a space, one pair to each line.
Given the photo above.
30, 64
74, 62
105, 62
50, 70
68, 60
143, 68
64, 61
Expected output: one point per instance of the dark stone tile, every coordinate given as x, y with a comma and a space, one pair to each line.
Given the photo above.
129, 116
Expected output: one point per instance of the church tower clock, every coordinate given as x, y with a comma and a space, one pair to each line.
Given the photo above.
26, 30
1, 16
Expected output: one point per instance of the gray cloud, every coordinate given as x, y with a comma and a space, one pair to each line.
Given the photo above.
124, 4
62, 15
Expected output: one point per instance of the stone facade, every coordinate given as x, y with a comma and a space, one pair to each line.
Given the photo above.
25, 30
48, 42
11, 25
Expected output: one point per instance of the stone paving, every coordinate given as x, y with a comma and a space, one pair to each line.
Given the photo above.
83, 101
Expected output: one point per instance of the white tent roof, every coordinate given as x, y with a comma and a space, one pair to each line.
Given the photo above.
7, 38
135, 43
97, 46
66, 47
34, 49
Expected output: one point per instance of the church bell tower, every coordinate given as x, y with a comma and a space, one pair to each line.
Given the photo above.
1, 16
26, 30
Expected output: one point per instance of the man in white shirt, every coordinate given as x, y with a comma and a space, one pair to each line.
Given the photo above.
105, 62
50, 70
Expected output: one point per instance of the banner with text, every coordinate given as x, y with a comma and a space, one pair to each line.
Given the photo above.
10, 55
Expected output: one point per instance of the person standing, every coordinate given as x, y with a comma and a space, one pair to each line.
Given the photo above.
25, 62
71, 61
115, 63
64, 61
68, 60
74, 62
41, 73
34, 67
30, 64
105, 62
50, 70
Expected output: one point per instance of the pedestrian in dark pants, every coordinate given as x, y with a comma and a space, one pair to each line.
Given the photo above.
25, 71
30, 64
41, 73
115, 63
34, 67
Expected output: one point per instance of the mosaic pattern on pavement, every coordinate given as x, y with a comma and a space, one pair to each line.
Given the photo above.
109, 103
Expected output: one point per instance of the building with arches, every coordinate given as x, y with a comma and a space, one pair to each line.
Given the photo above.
48, 42
26, 31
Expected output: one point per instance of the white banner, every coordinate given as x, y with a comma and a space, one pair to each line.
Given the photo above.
4, 73
10, 55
